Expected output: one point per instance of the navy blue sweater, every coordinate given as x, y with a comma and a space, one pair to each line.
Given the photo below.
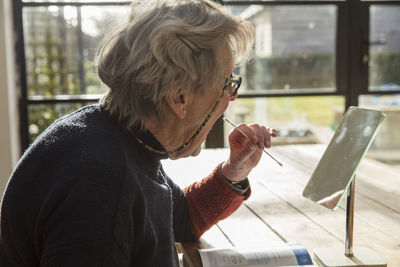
86, 193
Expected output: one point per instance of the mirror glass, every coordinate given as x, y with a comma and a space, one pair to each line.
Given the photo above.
342, 156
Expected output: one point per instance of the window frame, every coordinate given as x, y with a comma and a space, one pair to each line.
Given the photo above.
352, 45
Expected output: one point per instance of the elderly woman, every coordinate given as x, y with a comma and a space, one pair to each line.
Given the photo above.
91, 191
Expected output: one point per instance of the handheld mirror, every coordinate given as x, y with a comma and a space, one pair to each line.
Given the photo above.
342, 156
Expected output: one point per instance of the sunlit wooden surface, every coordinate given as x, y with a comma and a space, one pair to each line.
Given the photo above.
277, 213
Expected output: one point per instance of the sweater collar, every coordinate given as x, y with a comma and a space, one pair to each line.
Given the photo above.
149, 143
146, 139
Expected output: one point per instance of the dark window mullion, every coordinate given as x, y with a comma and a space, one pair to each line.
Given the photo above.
283, 94
380, 2
81, 60
44, 4
277, 2
60, 99
21, 65
358, 21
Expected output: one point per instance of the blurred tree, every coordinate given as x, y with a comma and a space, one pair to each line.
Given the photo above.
50, 71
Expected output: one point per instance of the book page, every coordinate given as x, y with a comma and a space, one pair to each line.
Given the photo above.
285, 255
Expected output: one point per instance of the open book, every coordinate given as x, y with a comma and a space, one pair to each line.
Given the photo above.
284, 255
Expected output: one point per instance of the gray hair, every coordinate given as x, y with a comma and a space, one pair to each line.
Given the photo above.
166, 44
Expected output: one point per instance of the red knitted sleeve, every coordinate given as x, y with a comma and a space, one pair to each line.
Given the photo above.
210, 201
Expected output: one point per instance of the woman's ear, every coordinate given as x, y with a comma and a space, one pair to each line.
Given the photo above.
178, 101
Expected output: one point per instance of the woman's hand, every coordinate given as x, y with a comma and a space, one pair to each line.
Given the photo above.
246, 151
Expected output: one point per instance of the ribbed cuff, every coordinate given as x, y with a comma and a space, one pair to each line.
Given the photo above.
211, 200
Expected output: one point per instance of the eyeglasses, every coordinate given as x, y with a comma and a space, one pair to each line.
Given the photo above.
233, 84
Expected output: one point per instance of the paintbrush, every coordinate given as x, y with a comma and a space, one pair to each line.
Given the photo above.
264, 150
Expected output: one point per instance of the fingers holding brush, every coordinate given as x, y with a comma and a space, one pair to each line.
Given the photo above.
268, 133
249, 135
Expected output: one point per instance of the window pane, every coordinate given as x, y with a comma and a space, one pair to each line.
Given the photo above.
96, 21
51, 51
54, 45
386, 146
41, 116
294, 47
299, 120
384, 63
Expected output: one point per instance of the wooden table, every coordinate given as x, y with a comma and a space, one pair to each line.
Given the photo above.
277, 213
